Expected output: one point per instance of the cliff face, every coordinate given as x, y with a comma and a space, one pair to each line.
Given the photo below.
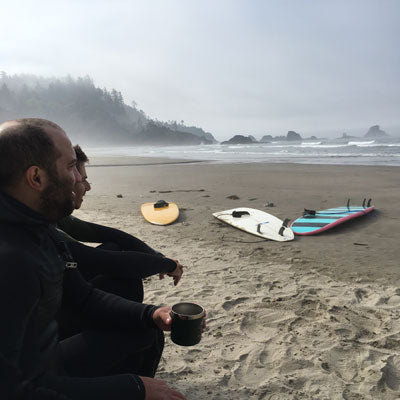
375, 132
266, 139
292, 135
239, 139
155, 134
206, 137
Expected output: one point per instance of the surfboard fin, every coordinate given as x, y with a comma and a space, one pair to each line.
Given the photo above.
364, 203
348, 204
284, 226
369, 203
308, 213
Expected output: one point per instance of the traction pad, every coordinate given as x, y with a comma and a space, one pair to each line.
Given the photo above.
239, 214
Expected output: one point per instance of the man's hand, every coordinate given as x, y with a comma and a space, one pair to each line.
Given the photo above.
159, 390
176, 273
162, 318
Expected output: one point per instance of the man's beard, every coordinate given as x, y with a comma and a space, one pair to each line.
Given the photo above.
57, 199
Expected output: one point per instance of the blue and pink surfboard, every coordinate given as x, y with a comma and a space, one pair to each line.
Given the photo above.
314, 222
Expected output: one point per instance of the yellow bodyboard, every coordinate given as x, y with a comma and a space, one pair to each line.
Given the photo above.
160, 213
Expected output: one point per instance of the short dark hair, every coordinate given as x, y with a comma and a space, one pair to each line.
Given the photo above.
23, 144
81, 157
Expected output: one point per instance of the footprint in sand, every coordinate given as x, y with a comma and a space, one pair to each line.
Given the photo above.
391, 373
265, 326
228, 305
252, 370
342, 363
360, 294
205, 293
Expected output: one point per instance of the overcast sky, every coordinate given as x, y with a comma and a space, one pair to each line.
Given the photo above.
319, 67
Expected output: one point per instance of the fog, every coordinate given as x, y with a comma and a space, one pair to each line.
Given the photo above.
229, 66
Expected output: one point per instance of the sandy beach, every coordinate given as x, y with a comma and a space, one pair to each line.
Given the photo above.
315, 318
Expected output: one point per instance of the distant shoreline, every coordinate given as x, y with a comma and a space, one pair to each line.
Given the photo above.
139, 164
138, 161
352, 153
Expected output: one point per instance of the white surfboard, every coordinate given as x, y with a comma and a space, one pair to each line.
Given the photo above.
257, 222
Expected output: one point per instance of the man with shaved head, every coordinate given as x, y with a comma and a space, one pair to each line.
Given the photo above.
29, 140
117, 356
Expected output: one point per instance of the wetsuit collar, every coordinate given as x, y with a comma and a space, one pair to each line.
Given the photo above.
13, 211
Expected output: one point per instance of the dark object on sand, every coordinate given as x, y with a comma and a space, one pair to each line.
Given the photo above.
187, 323
119, 196
233, 197
161, 204
239, 214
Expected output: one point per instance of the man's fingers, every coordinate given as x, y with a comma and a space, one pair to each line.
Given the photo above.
176, 274
174, 395
159, 390
162, 318
176, 280
204, 324
178, 396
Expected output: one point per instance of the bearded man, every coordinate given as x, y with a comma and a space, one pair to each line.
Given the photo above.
118, 357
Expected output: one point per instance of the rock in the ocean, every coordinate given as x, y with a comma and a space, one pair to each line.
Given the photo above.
239, 139
375, 132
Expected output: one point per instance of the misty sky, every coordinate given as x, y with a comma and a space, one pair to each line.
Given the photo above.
257, 67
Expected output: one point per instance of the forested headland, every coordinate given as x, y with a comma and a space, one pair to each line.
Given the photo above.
90, 115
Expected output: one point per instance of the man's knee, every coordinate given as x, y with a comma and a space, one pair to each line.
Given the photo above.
109, 246
121, 352
148, 338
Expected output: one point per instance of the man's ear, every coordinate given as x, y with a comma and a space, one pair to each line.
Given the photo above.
36, 177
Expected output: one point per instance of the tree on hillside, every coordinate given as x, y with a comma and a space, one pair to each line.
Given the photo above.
6, 97
88, 113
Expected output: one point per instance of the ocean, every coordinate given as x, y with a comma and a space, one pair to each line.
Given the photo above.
340, 152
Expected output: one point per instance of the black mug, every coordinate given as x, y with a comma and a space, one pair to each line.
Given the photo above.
187, 323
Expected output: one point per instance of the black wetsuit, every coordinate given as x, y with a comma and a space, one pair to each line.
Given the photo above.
94, 233
119, 264
12, 385
35, 275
